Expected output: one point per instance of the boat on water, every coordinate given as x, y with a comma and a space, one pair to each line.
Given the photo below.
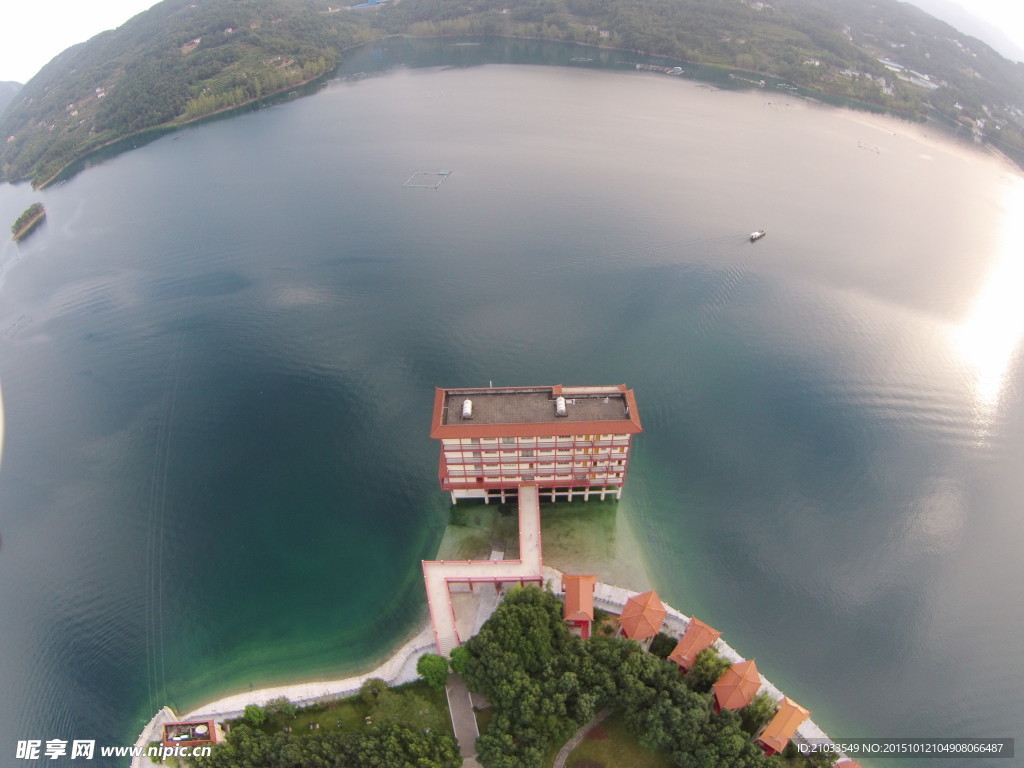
754, 236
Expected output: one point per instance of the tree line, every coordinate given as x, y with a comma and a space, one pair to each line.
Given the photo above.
177, 61
544, 684
24, 223
403, 731
181, 60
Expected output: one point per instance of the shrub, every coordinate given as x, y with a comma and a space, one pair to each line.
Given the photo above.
280, 710
433, 669
757, 714
707, 668
255, 714
459, 657
663, 645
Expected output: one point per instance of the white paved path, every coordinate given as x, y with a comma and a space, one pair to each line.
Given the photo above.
441, 633
438, 574
398, 669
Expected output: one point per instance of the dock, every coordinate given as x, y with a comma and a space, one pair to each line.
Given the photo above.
440, 575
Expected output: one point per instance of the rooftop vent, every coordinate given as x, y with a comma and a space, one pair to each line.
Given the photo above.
560, 406
467, 409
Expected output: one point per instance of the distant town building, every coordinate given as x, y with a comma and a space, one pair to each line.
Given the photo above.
571, 442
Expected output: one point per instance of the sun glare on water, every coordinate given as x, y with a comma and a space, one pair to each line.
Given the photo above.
988, 339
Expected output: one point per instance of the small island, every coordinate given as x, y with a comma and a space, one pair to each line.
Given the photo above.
34, 214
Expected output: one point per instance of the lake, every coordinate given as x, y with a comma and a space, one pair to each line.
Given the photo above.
218, 358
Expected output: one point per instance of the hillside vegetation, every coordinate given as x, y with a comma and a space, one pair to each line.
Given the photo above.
176, 61
184, 59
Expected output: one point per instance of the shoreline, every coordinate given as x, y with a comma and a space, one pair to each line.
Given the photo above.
812, 94
397, 668
400, 668
28, 226
172, 126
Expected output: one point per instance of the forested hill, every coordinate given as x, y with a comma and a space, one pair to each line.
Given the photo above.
183, 59
178, 60
882, 53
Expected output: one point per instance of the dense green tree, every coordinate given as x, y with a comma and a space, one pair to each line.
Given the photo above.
662, 645
706, 669
255, 714
279, 711
383, 745
459, 658
433, 669
757, 714
719, 742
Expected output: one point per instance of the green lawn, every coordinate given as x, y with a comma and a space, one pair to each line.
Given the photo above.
350, 713
618, 750
431, 710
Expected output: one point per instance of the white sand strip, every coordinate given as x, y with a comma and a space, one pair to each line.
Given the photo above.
398, 669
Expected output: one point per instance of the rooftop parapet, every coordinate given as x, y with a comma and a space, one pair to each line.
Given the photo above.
534, 411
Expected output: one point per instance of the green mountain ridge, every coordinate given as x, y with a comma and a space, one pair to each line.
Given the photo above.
175, 62
184, 59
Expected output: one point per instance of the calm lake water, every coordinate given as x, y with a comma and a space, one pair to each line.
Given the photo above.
218, 356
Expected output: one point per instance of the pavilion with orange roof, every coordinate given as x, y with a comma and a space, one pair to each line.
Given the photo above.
642, 616
737, 686
695, 639
780, 730
579, 601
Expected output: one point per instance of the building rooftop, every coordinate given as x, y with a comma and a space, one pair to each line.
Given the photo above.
780, 730
738, 685
642, 616
579, 596
695, 639
520, 410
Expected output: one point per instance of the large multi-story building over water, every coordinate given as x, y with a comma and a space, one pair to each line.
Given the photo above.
571, 442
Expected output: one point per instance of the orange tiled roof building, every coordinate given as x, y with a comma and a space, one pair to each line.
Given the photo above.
737, 686
579, 601
572, 442
695, 639
642, 616
780, 730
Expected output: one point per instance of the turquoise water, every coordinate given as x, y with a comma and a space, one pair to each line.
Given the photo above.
218, 357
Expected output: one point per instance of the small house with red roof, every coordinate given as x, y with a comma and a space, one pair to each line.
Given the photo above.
642, 616
780, 730
695, 639
737, 686
579, 601
195, 734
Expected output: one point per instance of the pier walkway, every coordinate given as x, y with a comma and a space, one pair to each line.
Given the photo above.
443, 635
440, 575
